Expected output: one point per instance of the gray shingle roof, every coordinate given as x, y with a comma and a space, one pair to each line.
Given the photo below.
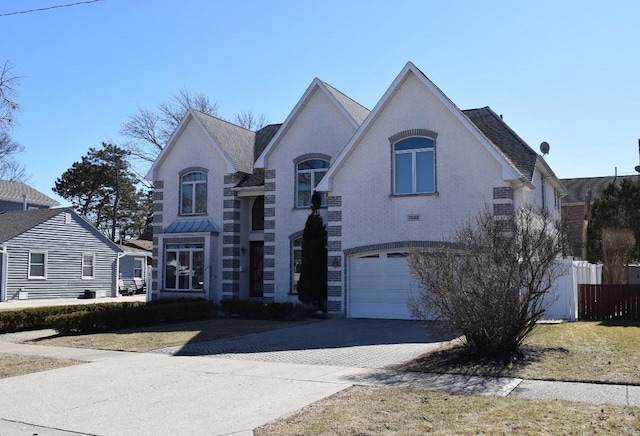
13, 224
353, 108
502, 136
14, 191
577, 188
237, 143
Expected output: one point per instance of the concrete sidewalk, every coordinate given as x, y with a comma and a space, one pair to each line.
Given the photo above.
120, 393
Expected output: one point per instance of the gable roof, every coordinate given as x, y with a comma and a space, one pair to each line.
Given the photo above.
577, 187
502, 136
510, 171
235, 144
353, 111
15, 223
14, 191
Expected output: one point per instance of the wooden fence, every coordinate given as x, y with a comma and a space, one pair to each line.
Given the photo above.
608, 302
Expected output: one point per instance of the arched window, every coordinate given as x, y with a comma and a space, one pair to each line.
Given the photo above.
308, 175
257, 214
414, 169
193, 193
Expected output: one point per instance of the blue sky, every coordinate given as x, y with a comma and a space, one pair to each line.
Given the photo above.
565, 72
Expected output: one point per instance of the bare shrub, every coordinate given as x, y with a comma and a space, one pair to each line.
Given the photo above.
491, 281
617, 250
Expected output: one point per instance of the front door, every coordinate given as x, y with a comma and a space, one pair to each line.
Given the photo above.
256, 268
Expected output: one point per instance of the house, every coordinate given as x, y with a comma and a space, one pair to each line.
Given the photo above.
54, 253
230, 204
135, 262
20, 196
581, 193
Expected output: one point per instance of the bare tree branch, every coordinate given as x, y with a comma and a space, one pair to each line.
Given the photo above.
149, 130
250, 121
8, 92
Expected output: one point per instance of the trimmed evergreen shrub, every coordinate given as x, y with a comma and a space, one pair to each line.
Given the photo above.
131, 316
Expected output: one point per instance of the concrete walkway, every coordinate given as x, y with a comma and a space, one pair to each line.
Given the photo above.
213, 390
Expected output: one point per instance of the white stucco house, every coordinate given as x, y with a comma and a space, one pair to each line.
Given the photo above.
230, 204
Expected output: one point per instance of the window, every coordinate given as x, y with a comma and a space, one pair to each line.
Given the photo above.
184, 267
193, 193
257, 214
308, 175
137, 268
414, 166
38, 265
296, 262
88, 264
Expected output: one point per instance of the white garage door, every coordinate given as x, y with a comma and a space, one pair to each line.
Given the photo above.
379, 285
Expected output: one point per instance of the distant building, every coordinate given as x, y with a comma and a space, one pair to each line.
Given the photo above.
20, 196
581, 191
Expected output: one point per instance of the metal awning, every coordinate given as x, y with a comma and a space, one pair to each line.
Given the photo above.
192, 226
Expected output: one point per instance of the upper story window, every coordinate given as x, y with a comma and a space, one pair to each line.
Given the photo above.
308, 175
193, 193
414, 169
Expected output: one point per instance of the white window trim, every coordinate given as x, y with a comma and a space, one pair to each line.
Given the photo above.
46, 258
93, 266
168, 248
293, 289
314, 182
193, 184
414, 169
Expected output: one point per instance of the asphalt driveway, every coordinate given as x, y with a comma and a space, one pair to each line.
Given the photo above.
356, 343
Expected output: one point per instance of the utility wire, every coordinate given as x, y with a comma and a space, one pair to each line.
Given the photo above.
50, 7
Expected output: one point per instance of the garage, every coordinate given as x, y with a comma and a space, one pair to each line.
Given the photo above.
379, 285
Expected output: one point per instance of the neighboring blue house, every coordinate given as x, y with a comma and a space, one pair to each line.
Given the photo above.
19, 196
54, 253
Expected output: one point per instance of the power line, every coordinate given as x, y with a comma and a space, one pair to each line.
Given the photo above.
50, 7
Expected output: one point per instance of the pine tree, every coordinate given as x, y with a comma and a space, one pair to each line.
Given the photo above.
312, 286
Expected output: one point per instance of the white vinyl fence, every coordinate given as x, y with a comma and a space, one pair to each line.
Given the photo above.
564, 296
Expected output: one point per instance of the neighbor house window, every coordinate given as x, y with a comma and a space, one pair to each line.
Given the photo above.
296, 263
137, 267
414, 166
308, 175
88, 265
193, 193
184, 267
38, 265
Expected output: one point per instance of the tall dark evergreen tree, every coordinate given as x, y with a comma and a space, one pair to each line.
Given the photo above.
103, 188
312, 286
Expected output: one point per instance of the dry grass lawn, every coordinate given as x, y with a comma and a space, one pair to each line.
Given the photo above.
378, 410
12, 365
143, 339
578, 351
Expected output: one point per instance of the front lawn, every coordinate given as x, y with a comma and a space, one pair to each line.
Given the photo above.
143, 339
12, 365
577, 351
381, 410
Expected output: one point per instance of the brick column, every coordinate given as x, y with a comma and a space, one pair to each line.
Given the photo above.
502, 203
269, 235
335, 288
158, 206
230, 239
